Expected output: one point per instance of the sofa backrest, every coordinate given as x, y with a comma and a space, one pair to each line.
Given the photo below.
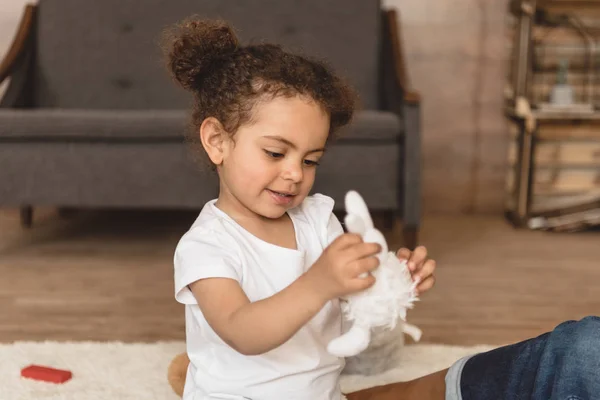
104, 54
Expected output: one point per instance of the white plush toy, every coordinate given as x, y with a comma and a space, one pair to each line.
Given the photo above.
385, 303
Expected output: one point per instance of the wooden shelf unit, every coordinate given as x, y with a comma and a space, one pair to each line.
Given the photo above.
555, 152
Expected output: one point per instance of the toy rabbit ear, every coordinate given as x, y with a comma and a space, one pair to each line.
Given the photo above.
355, 224
355, 205
375, 236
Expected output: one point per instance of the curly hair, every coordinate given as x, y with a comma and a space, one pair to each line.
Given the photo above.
227, 79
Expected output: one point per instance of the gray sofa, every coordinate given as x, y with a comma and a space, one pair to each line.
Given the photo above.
91, 119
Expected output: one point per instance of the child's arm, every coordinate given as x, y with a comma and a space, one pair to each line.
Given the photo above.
257, 327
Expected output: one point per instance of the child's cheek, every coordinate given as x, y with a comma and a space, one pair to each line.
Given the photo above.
254, 171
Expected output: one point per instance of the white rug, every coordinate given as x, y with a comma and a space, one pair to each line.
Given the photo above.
138, 371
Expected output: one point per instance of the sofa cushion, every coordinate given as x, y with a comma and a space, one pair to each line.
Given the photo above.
105, 54
128, 125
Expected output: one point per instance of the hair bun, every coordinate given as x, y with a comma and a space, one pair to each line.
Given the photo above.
194, 47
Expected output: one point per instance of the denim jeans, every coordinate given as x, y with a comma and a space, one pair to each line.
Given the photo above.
563, 364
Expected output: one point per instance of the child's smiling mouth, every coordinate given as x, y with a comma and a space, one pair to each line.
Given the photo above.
281, 198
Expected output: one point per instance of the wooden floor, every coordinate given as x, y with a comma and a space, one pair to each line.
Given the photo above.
108, 276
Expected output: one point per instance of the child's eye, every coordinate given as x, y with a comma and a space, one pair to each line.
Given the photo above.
273, 154
311, 163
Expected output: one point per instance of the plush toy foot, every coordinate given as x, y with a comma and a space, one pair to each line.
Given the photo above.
177, 372
412, 331
350, 343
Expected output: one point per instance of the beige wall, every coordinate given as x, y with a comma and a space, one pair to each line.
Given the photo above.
456, 60
10, 14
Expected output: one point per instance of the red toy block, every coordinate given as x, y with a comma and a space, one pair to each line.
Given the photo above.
46, 374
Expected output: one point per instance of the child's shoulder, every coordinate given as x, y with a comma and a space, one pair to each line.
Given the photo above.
209, 228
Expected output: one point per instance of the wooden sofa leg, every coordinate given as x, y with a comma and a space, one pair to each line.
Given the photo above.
410, 236
26, 216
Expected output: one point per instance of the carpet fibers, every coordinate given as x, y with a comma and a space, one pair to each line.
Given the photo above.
114, 370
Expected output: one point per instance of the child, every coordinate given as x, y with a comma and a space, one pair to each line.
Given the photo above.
263, 265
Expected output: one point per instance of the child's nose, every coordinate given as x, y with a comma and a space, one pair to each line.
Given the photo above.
293, 171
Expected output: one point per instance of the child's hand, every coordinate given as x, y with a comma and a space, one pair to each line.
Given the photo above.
421, 268
336, 273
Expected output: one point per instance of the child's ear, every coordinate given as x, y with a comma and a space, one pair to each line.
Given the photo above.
213, 137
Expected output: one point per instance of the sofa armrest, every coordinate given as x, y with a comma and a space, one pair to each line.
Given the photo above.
398, 97
15, 64
412, 165
397, 90
412, 97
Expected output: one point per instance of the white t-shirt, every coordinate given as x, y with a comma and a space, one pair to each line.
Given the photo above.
301, 368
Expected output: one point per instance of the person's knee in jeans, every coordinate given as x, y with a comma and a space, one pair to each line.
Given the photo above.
561, 364
578, 341
575, 350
